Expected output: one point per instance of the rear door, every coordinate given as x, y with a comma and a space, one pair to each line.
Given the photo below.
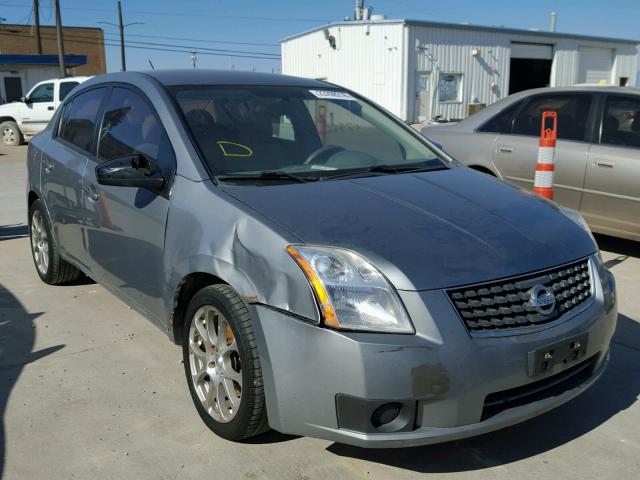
39, 108
611, 201
63, 164
125, 246
516, 151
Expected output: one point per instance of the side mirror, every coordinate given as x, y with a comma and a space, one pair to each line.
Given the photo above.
24, 99
131, 171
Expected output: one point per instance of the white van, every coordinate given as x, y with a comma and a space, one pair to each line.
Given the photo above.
21, 120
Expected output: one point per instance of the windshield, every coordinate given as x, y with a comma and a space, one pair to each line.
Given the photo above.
297, 133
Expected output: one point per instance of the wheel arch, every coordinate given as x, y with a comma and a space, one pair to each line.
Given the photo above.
8, 119
32, 197
185, 291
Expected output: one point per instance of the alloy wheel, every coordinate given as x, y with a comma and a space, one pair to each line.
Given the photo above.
39, 242
215, 364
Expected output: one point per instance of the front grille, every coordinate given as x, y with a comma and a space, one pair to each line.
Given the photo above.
546, 388
508, 303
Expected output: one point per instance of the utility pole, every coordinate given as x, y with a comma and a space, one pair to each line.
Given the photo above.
122, 59
194, 58
63, 71
121, 27
36, 15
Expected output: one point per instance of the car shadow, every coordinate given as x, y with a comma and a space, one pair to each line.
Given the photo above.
535, 436
9, 232
271, 436
17, 337
623, 248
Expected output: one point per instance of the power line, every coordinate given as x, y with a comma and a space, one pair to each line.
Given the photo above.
189, 51
206, 41
71, 36
182, 14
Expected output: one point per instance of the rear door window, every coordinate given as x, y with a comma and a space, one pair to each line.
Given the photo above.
621, 121
80, 121
65, 88
130, 126
572, 109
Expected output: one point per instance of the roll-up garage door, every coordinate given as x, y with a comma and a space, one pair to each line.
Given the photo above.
532, 51
595, 65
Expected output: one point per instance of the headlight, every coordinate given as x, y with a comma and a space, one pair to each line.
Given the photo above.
352, 294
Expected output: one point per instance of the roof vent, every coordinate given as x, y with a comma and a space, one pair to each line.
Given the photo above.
378, 17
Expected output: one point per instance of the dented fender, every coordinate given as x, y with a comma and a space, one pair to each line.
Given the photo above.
237, 245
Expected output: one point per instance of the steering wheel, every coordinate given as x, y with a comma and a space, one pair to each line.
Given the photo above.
323, 154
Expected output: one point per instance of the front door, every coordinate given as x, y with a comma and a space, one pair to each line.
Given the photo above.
611, 201
423, 97
125, 246
39, 109
516, 152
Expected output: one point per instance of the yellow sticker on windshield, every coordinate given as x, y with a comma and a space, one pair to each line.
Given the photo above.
233, 149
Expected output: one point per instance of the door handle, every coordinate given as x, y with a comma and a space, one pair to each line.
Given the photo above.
49, 108
505, 149
603, 164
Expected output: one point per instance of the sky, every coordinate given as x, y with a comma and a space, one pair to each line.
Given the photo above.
226, 32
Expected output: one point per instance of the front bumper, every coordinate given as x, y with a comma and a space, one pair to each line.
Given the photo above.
442, 372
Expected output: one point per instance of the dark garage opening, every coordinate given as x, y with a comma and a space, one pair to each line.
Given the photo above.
528, 73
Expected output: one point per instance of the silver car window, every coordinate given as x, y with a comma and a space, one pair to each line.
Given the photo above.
130, 126
621, 121
572, 109
80, 121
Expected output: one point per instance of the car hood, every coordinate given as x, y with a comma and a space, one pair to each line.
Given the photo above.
427, 230
9, 107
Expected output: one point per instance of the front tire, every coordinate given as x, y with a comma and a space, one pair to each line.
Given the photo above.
51, 268
222, 365
10, 133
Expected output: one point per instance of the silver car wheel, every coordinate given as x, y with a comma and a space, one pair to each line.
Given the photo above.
39, 242
8, 136
215, 364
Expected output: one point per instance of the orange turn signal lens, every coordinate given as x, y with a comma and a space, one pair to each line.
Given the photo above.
320, 292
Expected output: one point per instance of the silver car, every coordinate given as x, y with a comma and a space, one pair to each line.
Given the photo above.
327, 271
597, 156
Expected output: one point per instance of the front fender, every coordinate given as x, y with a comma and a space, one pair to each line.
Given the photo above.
211, 232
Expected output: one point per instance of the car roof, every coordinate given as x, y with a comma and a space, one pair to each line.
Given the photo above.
229, 77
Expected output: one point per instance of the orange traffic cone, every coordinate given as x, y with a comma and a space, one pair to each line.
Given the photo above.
543, 181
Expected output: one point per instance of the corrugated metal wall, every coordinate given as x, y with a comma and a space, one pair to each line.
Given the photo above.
367, 59
448, 50
443, 50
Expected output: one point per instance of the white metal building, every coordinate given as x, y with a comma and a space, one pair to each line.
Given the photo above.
419, 70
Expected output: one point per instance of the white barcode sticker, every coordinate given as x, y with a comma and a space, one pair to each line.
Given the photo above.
331, 95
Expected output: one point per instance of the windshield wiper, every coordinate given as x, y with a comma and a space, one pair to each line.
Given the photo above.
267, 175
391, 169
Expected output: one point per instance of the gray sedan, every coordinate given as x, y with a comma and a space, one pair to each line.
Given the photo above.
597, 156
327, 271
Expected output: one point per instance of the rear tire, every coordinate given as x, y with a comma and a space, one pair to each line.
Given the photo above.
51, 268
222, 365
10, 134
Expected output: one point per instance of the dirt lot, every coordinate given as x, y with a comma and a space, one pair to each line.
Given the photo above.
89, 389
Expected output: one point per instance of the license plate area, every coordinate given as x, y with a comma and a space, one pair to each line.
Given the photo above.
567, 352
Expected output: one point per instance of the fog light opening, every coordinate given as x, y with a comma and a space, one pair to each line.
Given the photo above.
385, 414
